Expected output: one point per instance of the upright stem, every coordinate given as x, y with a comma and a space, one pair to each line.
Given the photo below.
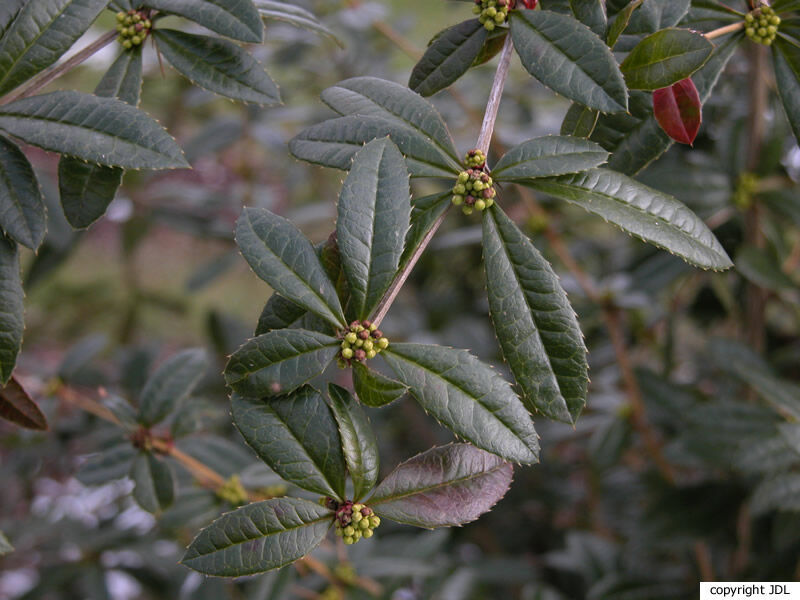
484, 138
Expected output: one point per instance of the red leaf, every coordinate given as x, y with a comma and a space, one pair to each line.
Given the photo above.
678, 110
18, 407
530, 3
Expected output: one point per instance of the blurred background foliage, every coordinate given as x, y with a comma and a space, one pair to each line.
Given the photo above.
684, 467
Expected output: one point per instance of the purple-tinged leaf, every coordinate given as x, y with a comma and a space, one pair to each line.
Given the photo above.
678, 111
19, 408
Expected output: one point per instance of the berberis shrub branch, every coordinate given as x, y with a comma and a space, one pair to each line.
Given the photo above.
637, 74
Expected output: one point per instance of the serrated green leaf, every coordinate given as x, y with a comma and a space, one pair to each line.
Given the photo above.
375, 97
374, 213
655, 217
664, 58
22, 212
218, 65
374, 388
548, 156
535, 324
237, 19
171, 384
5, 545
297, 436
425, 212
579, 121
443, 487
790, 434
297, 16
569, 58
620, 24
12, 320
40, 35
658, 14
283, 257
468, 397
101, 130
154, 487
781, 492
108, 465
449, 55
786, 62
259, 537
16, 406
87, 189
772, 455
591, 13
278, 313
279, 361
758, 267
359, 444
8, 12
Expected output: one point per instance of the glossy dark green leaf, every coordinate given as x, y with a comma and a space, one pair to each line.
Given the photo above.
105, 131
654, 15
41, 33
154, 487
22, 212
374, 212
535, 324
297, 436
12, 321
237, 19
16, 406
278, 313
591, 13
107, 465
781, 492
786, 62
548, 156
443, 487
282, 256
171, 384
620, 23
569, 58
5, 545
295, 15
664, 58
449, 55
579, 121
359, 444
259, 537
374, 388
87, 189
758, 267
425, 212
468, 397
655, 217
279, 361
218, 65
8, 12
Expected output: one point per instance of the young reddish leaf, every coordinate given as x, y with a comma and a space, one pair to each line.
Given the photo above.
678, 111
530, 3
19, 408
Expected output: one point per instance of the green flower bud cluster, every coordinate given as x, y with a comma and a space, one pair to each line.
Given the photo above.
761, 25
355, 521
133, 27
475, 159
362, 341
346, 573
276, 490
332, 593
473, 191
492, 13
232, 491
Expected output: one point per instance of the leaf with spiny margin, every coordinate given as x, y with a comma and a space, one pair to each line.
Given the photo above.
359, 445
786, 62
444, 487
467, 396
16, 406
548, 156
283, 257
278, 313
781, 492
664, 58
12, 319
425, 212
41, 33
535, 324
22, 211
237, 19
296, 435
106, 131
569, 58
374, 212
259, 537
218, 65
154, 487
374, 388
297, 16
449, 55
333, 143
171, 384
87, 189
5, 545
591, 13
375, 97
653, 216
279, 361
658, 14
108, 465
579, 121
620, 24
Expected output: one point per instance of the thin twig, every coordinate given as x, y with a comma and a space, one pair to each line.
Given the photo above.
490, 116
703, 555
724, 30
60, 69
